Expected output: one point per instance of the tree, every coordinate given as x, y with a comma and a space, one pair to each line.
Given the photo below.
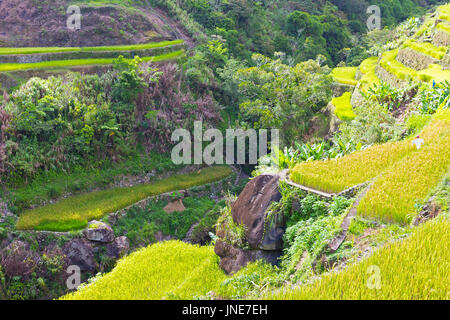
283, 97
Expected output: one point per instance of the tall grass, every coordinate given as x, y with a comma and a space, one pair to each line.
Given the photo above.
78, 210
416, 268
168, 270
132, 47
79, 62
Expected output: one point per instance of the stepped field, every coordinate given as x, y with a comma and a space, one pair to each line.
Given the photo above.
79, 62
338, 174
75, 212
427, 48
369, 77
345, 75
415, 268
134, 47
344, 109
393, 195
166, 270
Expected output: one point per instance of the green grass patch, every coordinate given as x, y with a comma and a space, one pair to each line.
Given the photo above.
427, 48
167, 270
141, 224
344, 109
95, 205
415, 268
80, 62
133, 47
345, 75
53, 184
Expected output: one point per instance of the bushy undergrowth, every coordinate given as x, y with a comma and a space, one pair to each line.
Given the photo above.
78, 210
415, 268
141, 225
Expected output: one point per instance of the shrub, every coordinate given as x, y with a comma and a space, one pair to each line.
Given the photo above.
415, 268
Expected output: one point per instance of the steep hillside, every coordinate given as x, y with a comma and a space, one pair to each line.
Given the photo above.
32, 23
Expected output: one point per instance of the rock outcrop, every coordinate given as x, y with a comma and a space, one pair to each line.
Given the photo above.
99, 231
80, 252
263, 234
118, 248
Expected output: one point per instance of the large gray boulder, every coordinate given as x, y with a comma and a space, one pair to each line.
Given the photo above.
79, 252
250, 209
263, 233
118, 248
99, 232
233, 259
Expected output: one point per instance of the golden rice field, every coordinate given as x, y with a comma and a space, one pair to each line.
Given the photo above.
427, 48
345, 75
369, 77
415, 268
337, 175
392, 196
389, 63
75, 212
344, 108
166, 270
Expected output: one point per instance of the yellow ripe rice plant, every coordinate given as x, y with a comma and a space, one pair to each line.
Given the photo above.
345, 75
434, 72
166, 270
344, 108
444, 26
427, 48
75, 212
369, 77
394, 193
417, 268
336, 175
389, 63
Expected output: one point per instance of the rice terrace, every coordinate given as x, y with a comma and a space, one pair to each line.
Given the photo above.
345, 197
